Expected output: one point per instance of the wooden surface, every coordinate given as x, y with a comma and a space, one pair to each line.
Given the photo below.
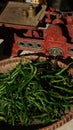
17, 13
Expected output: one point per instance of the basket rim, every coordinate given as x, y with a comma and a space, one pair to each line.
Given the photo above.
68, 117
11, 60
59, 123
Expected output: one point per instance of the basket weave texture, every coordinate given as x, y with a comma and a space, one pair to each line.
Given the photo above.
8, 64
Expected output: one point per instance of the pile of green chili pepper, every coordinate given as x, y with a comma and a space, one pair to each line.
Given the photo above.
40, 91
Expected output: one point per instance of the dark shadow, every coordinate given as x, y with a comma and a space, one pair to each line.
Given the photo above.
66, 5
21, 33
38, 8
4, 126
3, 4
7, 34
65, 32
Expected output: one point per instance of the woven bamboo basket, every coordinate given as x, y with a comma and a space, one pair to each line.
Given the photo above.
8, 64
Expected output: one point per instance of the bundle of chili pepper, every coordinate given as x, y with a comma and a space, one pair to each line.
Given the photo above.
40, 91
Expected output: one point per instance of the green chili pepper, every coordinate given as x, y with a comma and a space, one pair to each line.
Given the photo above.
64, 69
35, 91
